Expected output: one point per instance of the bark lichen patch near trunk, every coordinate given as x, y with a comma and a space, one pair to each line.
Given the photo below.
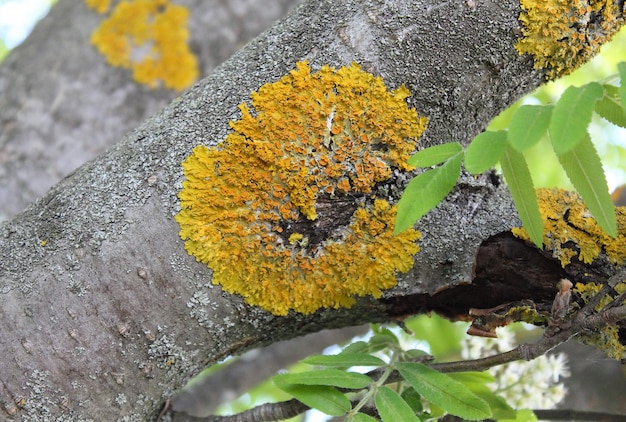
285, 210
571, 232
563, 34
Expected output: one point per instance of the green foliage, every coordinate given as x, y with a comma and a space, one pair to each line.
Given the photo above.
610, 106
443, 391
321, 397
435, 155
332, 377
584, 168
392, 407
419, 393
520, 184
429, 188
344, 360
362, 417
572, 115
621, 68
485, 151
528, 125
566, 124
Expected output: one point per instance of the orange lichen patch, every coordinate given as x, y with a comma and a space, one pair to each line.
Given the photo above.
285, 210
570, 230
563, 34
150, 38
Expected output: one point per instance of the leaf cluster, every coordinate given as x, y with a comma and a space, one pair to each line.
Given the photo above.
402, 389
565, 123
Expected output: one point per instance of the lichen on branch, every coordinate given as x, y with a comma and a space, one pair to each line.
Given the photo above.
606, 338
571, 231
286, 210
150, 38
561, 35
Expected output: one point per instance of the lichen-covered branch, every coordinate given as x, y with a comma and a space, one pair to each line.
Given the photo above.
104, 314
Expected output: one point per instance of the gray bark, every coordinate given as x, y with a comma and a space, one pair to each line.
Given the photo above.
52, 121
104, 316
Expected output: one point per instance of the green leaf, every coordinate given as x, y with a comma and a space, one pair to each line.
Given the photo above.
356, 347
499, 406
382, 340
443, 391
345, 360
332, 377
484, 151
584, 169
416, 354
528, 124
392, 408
472, 377
520, 184
610, 106
321, 397
362, 417
434, 155
426, 191
413, 399
621, 68
572, 114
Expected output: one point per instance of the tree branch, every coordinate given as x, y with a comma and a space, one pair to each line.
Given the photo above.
104, 312
562, 330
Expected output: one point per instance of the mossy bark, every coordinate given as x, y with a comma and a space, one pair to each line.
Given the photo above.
104, 315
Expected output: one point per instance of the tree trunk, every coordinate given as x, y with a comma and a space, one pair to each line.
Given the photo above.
52, 121
105, 315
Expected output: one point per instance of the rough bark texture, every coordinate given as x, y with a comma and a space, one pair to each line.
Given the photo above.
104, 314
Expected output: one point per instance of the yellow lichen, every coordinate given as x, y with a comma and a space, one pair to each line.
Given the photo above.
589, 290
606, 338
285, 210
100, 6
150, 38
563, 34
570, 231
